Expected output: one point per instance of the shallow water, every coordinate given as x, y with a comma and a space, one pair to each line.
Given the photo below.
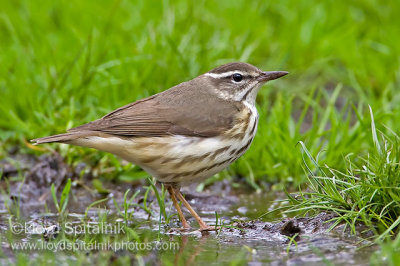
273, 239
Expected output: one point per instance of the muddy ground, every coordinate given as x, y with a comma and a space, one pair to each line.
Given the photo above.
25, 194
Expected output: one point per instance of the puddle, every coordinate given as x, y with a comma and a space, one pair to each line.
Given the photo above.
276, 240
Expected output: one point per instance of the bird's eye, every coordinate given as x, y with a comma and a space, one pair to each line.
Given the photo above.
237, 77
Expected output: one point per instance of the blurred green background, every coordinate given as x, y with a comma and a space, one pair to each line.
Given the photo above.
64, 63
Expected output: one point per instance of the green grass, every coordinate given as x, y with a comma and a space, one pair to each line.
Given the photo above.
64, 63
62, 204
61, 68
389, 253
368, 191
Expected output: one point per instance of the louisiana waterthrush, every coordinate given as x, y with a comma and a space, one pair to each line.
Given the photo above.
184, 134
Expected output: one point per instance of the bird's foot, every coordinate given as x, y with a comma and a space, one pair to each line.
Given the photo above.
208, 228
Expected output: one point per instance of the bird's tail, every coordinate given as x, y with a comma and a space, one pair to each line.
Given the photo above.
63, 138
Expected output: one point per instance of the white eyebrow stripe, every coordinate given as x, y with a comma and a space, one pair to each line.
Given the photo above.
225, 74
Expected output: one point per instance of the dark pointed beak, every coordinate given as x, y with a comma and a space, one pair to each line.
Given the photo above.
271, 75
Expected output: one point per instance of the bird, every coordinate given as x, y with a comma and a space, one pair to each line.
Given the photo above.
184, 134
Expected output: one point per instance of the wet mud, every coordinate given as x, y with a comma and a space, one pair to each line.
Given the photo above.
278, 240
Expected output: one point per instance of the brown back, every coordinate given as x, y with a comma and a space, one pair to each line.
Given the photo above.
191, 108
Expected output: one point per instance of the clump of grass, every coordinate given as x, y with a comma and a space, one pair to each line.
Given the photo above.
368, 191
61, 205
127, 204
160, 199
